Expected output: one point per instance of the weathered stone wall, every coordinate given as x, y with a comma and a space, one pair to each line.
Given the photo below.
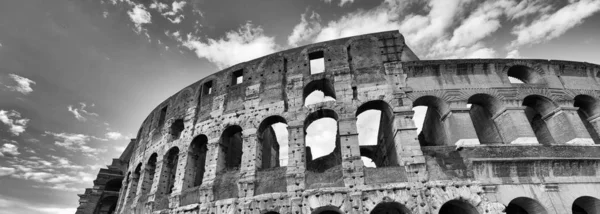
478, 159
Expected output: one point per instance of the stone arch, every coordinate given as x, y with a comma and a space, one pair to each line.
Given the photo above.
484, 108
177, 126
135, 180
107, 205
230, 144
434, 131
334, 158
525, 205
526, 71
390, 208
458, 206
113, 185
149, 173
269, 145
329, 209
384, 151
586, 205
196, 161
169, 170
537, 108
589, 111
324, 85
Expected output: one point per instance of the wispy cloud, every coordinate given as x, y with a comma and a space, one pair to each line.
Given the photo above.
550, 26
308, 28
5, 171
342, 2
139, 16
112, 135
248, 42
81, 113
76, 142
14, 121
21, 84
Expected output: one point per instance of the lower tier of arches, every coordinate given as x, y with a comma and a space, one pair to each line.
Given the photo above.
435, 197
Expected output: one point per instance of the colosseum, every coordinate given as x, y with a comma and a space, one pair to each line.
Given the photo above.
515, 136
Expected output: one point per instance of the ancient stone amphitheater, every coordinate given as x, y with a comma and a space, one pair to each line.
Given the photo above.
499, 136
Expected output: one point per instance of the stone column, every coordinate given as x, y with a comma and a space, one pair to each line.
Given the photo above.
459, 126
514, 127
210, 170
250, 163
566, 127
407, 144
296, 168
353, 166
595, 122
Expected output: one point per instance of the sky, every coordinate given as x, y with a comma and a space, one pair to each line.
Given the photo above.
78, 77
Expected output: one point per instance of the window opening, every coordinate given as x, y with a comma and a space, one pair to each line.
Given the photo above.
161, 119
207, 87
238, 77
317, 62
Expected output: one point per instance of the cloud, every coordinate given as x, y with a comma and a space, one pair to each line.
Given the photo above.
9, 149
23, 85
4, 171
550, 26
76, 142
246, 43
116, 136
513, 54
176, 8
320, 136
139, 16
14, 121
80, 113
306, 29
482, 53
342, 2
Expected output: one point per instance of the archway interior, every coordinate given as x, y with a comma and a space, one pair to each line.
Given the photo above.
170, 170
322, 140
536, 108
375, 127
231, 148
107, 205
197, 160
113, 185
390, 208
523, 74
176, 128
150, 171
433, 131
457, 206
524, 205
482, 108
589, 108
272, 135
318, 91
586, 205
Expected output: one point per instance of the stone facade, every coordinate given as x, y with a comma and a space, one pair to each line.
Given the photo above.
487, 146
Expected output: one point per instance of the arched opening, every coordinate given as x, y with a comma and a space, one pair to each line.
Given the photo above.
149, 173
390, 208
589, 108
524, 205
322, 140
524, 74
170, 169
586, 205
327, 210
113, 185
482, 108
196, 161
537, 108
318, 91
375, 126
272, 133
176, 128
107, 205
458, 206
135, 179
231, 148
433, 131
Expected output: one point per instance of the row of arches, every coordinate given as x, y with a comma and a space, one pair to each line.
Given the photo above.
485, 112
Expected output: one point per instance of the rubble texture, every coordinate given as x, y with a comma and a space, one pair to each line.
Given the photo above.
529, 147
